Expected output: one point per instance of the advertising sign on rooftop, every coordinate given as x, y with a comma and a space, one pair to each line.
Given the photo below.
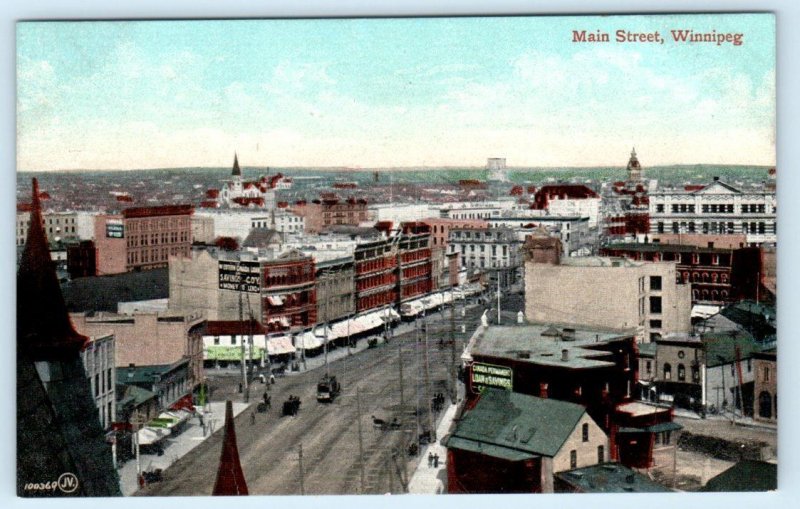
489, 375
240, 276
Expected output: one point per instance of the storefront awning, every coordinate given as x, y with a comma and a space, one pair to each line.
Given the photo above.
307, 341
149, 436
275, 300
279, 345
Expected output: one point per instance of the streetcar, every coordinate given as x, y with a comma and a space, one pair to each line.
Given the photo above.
327, 389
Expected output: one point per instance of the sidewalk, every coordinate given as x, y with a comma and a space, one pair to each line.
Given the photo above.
747, 422
429, 480
176, 447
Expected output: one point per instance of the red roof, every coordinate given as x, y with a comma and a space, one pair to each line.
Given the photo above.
24, 207
212, 194
163, 210
561, 192
233, 328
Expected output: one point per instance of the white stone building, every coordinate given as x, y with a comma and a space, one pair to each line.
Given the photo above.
715, 209
99, 362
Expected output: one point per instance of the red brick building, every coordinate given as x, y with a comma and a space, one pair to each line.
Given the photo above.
142, 238
331, 211
717, 276
376, 264
288, 292
440, 228
414, 259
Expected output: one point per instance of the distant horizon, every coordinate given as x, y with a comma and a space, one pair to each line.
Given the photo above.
403, 168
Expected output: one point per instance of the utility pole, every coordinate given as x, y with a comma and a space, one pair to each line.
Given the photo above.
241, 339
428, 386
400, 365
250, 348
302, 482
498, 298
453, 368
327, 314
360, 440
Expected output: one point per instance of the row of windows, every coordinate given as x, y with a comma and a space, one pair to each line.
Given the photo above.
716, 208
155, 238
160, 224
102, 383
483, 249
573, 456
717, 227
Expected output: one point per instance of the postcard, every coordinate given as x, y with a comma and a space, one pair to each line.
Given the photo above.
446, 255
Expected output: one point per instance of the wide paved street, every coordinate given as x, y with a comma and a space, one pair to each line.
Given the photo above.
329, 433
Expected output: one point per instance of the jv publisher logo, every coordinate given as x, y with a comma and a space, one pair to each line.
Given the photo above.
66, 483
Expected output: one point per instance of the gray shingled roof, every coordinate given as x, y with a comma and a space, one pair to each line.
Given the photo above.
516, 426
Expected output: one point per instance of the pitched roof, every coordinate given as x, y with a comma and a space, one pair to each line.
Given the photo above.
230, 478
609, 478
262, 237
747, 475
720, 347
516, 426
44, 329
237, 172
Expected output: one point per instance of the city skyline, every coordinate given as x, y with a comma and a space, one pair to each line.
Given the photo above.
366, 93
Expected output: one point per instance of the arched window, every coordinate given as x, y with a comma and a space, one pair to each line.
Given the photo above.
681, 373
667, 371
765, 405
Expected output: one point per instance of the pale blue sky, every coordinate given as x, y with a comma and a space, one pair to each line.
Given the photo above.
391, 92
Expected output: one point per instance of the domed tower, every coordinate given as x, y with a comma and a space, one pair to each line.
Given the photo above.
634, 168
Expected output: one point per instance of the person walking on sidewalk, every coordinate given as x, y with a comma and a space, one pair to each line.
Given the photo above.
430, 459
252, 418
435, 461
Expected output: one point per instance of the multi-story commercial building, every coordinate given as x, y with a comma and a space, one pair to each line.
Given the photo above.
494, 251
275, 288
573, 231
281, 220
142, 238
475, 210
568, 200
321, 213
148, 339
713, 371
335, 283
647, 295
414, 261
66, 227
98, 361
376, 276
717, 208
440, 228
716, 275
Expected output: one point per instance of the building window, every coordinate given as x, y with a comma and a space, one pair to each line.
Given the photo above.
655, 304
216, 340
655, 324
585, 432
681, 373
601, 454
655, 283
765, 374
648, 367
96, 385
573, 459
667, 371
695, 374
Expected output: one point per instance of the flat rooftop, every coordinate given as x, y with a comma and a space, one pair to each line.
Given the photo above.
544, 344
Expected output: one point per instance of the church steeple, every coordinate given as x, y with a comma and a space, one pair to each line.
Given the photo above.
230, 478
44, 330
237, 172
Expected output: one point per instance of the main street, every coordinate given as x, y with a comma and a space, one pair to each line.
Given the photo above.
329, 433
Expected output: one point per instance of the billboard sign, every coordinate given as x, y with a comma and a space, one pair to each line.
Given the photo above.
115, 229
240, 276
489, 375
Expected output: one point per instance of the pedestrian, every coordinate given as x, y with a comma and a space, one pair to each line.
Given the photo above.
271, 379
252, 418
435, 461
430, 459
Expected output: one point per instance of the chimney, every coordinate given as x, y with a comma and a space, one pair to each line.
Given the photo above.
716, 179
564, 355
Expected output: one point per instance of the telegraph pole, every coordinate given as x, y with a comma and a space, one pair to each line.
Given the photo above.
302, 482
241, 339
428, 386
400, 365
453, 369
360, 440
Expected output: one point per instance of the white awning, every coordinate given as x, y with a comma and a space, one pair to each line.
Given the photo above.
307, 341
275, 300
704, 311
279, 345
149, 436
